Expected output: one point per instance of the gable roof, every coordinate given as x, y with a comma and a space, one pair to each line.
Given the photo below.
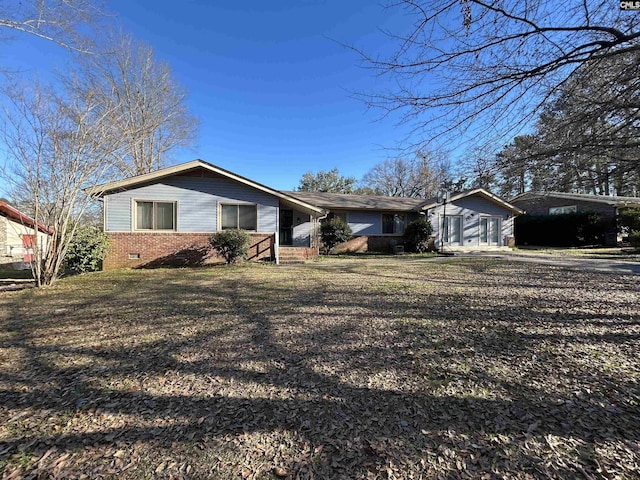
127, 183
17, 216
581, 197
433, 202
358, 202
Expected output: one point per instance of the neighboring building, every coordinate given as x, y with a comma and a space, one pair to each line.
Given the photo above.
17, 237
170, 214
554, 203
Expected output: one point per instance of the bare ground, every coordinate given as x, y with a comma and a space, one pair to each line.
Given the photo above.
472, 368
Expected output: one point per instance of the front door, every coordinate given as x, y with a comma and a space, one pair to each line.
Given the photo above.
286, 227
490, 231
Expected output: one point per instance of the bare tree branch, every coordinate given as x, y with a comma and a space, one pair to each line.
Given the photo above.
65, 22
147, 107
463, 65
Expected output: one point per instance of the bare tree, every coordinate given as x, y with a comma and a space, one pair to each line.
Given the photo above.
61, 21
419, 177
487, 67
142, 103
56, 147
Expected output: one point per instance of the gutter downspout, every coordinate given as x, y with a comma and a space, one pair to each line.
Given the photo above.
276, 235
317, 229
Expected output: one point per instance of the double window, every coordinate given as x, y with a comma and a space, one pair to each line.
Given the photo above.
151, 215
393, 223
240, 216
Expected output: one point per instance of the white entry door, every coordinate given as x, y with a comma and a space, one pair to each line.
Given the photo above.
490, 231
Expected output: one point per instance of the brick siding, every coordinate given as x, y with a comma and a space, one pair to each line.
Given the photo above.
369, 243
172, 248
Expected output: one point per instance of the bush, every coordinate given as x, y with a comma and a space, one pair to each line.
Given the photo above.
416, 235
634, 238
86, 250
334, 232
231, 244
629, 220
567, 230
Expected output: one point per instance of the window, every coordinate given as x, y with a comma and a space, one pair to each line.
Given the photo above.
155, 215
563, 210
393, 223
244, 217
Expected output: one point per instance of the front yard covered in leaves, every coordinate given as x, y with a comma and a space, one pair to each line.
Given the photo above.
367, 368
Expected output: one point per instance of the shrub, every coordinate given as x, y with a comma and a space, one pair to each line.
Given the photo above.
629, 220
334, 232
86, 250
634, 238
232, 244
416, 235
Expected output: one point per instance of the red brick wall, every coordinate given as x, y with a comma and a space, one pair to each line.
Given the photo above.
369, 243
173, 248
304, 253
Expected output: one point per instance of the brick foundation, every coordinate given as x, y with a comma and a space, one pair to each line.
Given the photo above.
172, 248
297, 254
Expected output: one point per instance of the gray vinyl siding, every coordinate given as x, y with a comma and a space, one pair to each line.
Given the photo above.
302, 229
365, 223
197, 203
471, 209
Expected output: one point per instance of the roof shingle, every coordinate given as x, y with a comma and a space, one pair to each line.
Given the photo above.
358, 202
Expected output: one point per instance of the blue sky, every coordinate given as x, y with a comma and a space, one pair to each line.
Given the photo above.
270, 82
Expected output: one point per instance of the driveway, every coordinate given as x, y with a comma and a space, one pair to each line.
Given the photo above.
576, 263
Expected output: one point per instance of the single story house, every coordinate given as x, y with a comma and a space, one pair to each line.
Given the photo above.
17, 237
555, 203
170, 214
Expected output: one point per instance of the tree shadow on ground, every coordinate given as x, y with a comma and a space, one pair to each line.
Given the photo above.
353, 384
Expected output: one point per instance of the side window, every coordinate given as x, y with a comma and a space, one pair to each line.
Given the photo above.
240, 216
151, 215
393, 223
